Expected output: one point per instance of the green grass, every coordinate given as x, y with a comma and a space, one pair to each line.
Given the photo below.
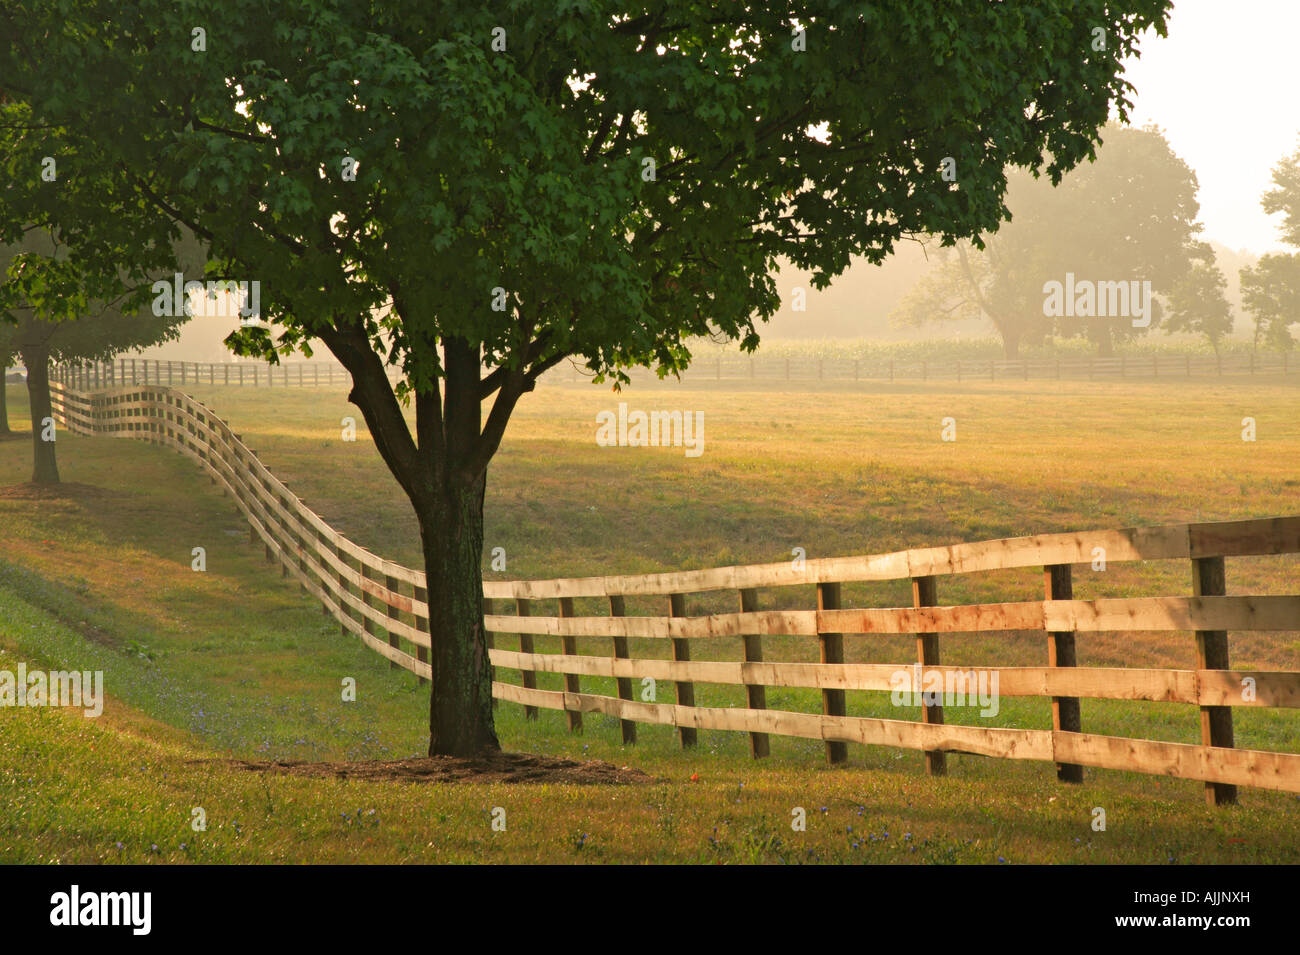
237, 662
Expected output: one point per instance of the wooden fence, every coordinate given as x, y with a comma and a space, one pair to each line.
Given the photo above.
151, 371
139, 371
385, 605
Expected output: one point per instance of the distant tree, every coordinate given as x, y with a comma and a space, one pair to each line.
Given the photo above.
1198, 303
43, 297
1128, 215
999, 282
1271, 293
476, 192
1270, 290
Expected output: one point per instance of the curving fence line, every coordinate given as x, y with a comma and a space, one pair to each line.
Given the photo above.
385, 605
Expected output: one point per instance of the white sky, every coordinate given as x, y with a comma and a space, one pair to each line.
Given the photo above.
1222, 87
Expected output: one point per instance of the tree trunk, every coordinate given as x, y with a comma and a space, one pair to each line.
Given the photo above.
444, 476
1105, 343
460, 705
45, 469
1010, 346
4, 395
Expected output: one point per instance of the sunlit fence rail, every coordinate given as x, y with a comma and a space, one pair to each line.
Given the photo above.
385, 605
318, 373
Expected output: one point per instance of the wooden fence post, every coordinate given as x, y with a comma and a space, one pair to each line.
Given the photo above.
422, 624
924, 594
343, 587
832, 651
572, 683
755, 694
1060, 653
390, 612
523, 608
1209, 580
618, 608
369, 600
682, 651
321, 546
491, 639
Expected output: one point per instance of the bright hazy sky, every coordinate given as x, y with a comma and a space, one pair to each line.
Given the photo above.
1222, 87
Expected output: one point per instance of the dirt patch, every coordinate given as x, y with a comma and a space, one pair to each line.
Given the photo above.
494, 768
50, 492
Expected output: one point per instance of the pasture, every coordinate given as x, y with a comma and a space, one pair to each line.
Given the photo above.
236, 664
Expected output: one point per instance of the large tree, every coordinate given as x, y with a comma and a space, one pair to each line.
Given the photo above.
1130, 215
474, 192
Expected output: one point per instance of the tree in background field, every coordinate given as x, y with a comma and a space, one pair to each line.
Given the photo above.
81, 300
50, 318
1270, 290
1000, 282
1129, 215
1198, 304
474, 195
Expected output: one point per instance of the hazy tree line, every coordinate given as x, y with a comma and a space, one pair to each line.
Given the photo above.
1127, 217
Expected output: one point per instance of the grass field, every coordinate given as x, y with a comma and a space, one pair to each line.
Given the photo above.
237, 663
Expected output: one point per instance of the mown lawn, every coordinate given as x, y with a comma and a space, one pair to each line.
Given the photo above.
237, 662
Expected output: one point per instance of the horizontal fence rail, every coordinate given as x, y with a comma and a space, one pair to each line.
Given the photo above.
386, 606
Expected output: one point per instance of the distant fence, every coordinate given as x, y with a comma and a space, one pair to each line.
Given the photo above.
141, 371
151, 371
386, 606
765, 368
